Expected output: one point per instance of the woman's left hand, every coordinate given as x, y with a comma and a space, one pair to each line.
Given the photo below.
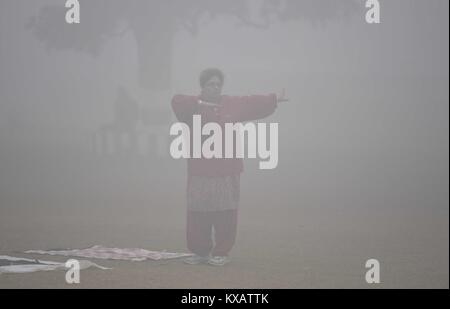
281, 97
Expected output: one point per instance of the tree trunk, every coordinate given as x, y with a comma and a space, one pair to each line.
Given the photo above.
154, 44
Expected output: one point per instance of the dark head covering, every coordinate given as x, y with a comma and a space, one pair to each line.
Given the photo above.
207, 74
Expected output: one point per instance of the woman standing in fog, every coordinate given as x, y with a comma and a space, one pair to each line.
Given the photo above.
213, 185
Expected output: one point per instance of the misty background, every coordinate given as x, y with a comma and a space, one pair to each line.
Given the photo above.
363, 138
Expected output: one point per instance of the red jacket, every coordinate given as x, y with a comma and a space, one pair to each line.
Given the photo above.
232, 109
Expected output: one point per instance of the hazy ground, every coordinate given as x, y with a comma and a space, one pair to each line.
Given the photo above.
279, 244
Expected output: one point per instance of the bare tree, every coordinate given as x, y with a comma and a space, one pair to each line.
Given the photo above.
154, 24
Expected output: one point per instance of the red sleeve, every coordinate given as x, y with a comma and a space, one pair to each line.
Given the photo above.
254, 107
184, 107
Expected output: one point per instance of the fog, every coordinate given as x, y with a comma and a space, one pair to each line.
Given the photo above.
365, 130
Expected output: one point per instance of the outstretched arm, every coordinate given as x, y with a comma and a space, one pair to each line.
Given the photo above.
256, 107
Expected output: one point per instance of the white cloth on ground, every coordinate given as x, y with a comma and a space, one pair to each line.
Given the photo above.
127, 254
23, 265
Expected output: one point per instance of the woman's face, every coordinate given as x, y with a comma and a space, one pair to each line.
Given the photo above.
212, 89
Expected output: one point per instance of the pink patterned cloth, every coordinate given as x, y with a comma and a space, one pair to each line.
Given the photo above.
100, 252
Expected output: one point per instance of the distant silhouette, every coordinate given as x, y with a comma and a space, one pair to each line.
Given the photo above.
134, 130
120, 135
